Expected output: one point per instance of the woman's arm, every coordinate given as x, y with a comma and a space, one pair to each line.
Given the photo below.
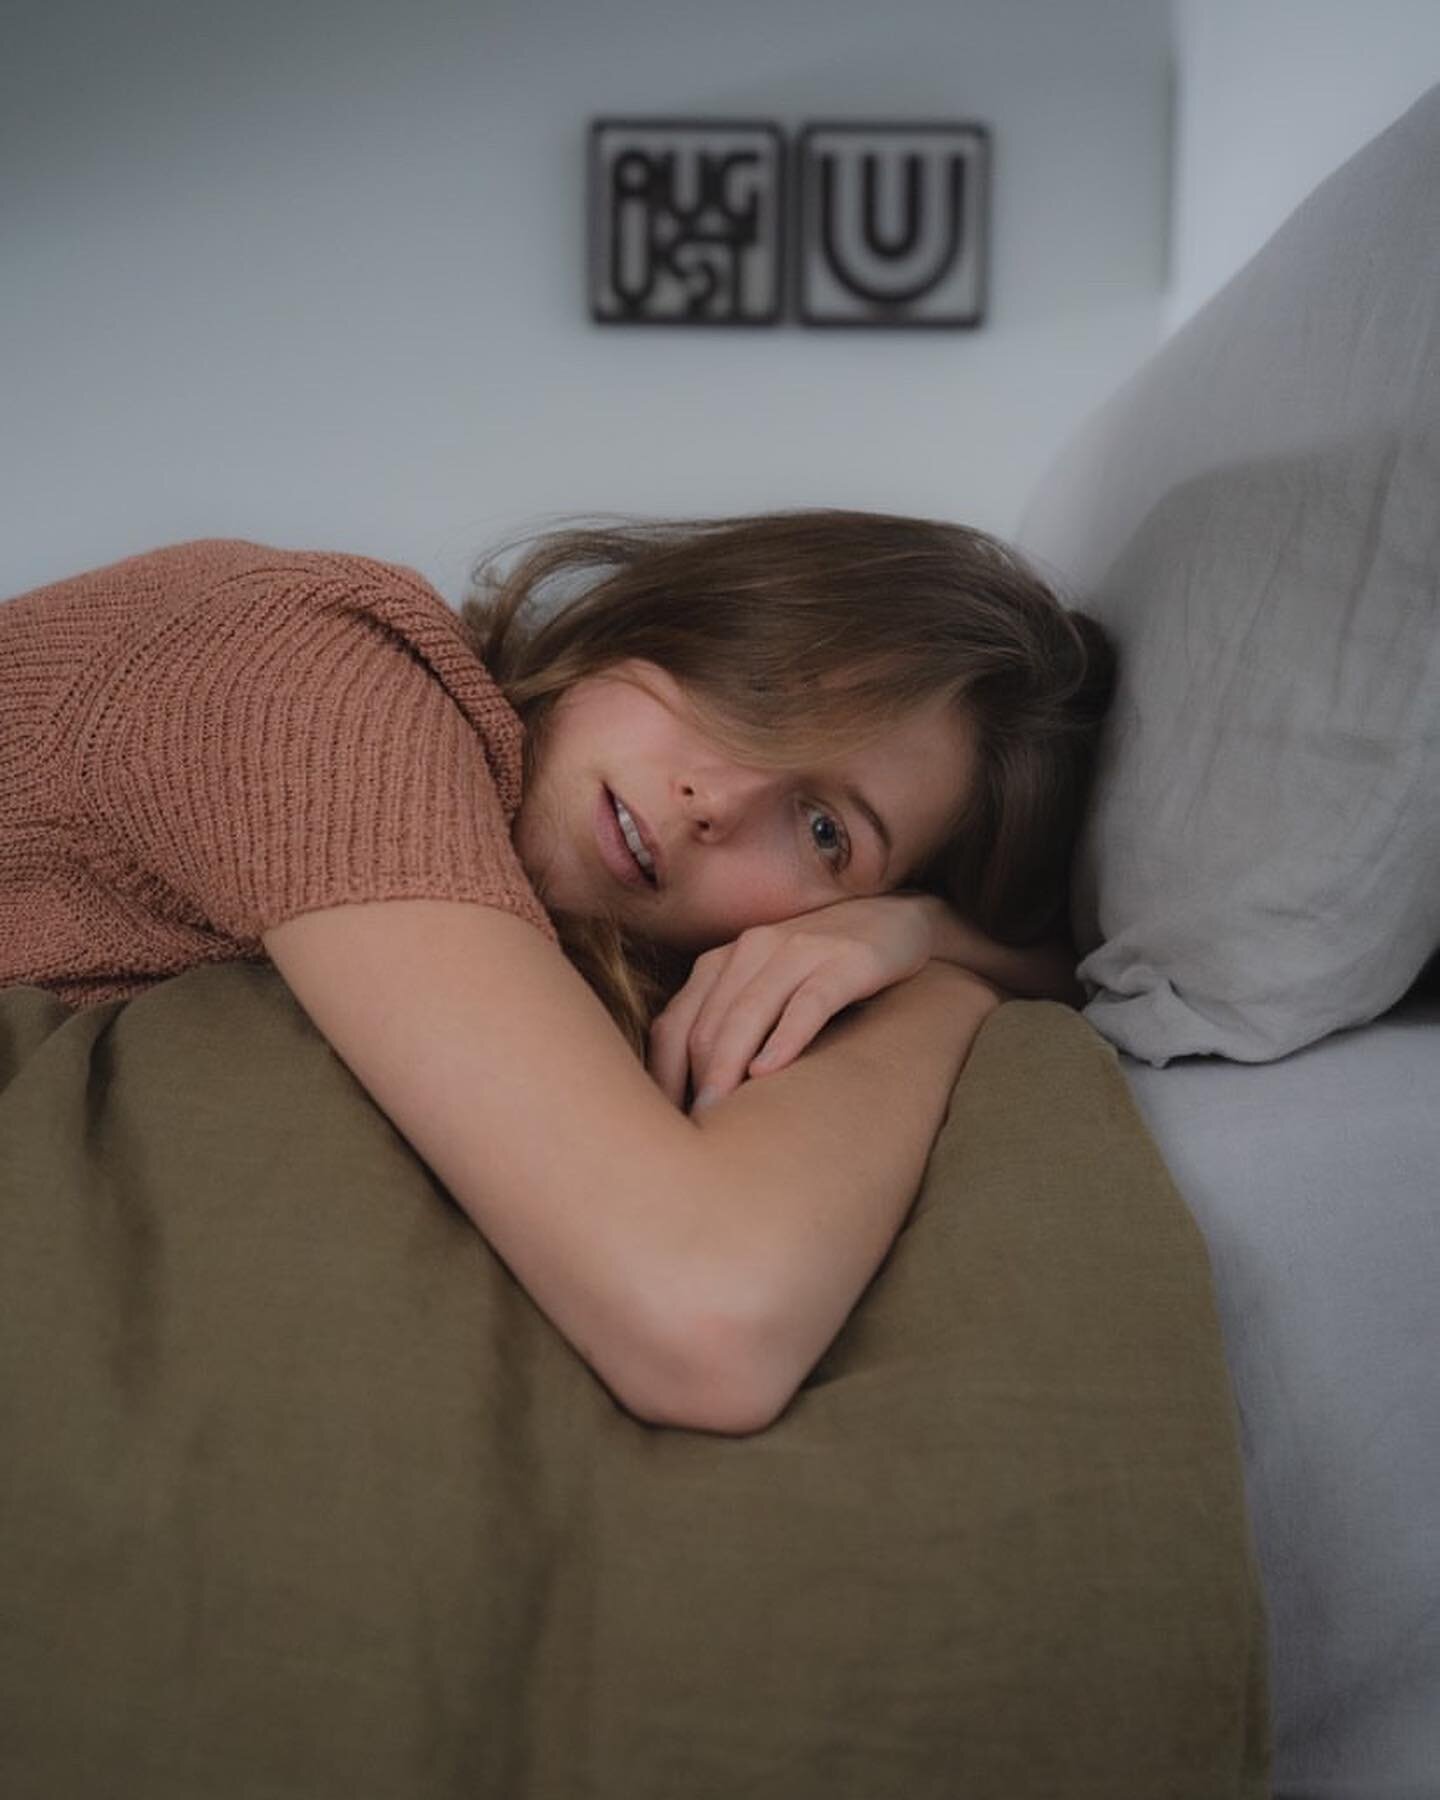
820, 1163
1037, 972
700, 1266
752, 1006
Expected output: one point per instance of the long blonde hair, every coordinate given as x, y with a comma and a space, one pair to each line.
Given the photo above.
797, 635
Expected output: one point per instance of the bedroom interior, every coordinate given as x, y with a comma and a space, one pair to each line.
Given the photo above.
1123, 1478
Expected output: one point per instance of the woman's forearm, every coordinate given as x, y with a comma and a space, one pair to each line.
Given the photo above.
808, 1173
663, 1247
1035, 972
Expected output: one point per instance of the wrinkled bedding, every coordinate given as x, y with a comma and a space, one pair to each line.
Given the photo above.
1316, 1183
303, 1498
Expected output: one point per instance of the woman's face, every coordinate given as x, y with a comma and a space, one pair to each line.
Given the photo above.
732, 845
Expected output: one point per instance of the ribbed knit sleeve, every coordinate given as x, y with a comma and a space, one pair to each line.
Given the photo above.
258, 733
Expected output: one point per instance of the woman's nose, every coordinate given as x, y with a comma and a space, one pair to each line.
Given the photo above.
715, 804
699, 808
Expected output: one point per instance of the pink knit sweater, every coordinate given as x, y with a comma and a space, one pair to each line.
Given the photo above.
203, 741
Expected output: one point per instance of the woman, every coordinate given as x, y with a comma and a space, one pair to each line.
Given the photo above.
768, 768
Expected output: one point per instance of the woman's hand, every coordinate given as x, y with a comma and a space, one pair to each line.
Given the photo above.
751, 1006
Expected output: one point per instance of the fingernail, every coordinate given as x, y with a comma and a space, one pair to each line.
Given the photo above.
706, 1097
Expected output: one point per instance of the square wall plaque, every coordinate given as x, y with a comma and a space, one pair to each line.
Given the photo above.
893, 224
686, 222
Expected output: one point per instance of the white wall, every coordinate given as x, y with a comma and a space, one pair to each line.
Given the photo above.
312, 271
1275, 95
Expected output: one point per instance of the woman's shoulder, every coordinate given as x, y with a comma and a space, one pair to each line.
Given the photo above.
338, 579
268, 729
199, 582
395, 600
235, 628
245, 604
197, 567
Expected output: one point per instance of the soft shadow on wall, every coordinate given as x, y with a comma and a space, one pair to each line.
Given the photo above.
314, 273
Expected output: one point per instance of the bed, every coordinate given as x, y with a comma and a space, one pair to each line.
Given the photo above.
1314, 1180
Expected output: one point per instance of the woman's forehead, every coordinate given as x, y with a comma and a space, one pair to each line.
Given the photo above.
914, 780
934, 730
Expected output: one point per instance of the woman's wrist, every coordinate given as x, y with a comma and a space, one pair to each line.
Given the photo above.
1035, 972
959, 984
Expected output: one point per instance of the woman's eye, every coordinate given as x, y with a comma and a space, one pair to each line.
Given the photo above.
828, 836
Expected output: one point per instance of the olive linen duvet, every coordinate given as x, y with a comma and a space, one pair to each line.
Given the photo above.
302, 1498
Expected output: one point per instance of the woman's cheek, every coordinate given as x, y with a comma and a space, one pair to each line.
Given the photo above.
761, 895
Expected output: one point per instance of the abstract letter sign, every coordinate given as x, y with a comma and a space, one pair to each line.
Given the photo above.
893, 224
688, 224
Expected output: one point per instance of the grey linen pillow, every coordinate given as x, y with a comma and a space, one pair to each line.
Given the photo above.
1255, 516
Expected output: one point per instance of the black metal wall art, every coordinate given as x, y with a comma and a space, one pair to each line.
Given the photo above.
691, 220
892, 224
686, 222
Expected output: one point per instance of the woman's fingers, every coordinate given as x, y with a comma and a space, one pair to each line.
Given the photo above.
735, 1012
809, 1010
668, 1054
777, 985
713, 1026
777, 1007
730, 1030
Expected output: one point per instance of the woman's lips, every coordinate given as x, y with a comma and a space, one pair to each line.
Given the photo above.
657, 862
615, 852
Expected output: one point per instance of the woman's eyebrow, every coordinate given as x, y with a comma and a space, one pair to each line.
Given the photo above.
873, 819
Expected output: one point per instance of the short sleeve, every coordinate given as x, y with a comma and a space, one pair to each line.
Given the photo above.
278, 742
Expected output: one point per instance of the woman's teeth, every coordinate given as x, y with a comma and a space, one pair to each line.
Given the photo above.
633, 838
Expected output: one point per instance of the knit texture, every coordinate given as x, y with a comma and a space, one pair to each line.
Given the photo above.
203, 741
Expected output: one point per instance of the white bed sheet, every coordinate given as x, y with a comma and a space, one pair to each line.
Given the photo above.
1316, 1183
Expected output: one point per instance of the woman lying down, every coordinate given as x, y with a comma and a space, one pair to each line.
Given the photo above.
656, 896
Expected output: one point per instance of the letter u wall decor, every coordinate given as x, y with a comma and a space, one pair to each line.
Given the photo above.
721, 222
